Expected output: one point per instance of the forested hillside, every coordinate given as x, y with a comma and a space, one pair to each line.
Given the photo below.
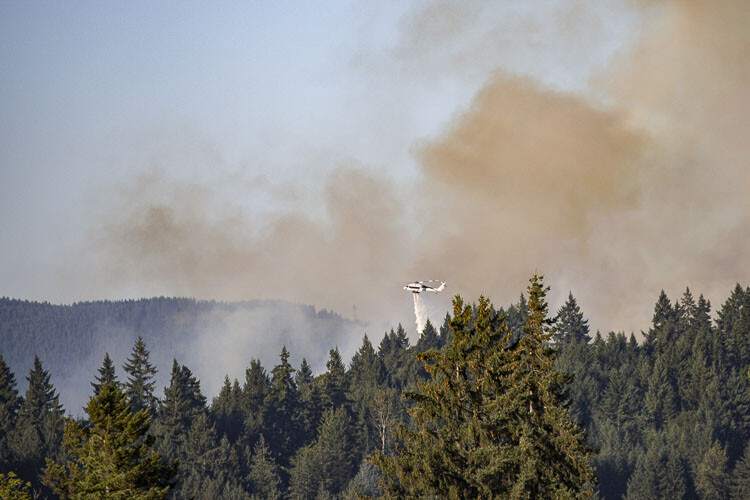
71, 339
667, 418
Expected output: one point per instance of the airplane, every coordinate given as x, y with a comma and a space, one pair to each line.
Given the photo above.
419, 286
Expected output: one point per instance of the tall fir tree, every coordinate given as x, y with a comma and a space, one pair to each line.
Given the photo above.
281, 424
336, 450
140, 383
428, 338
571, 326
264, 473
40, 424
106, 374
256, 388
111, 457
740, 485
334, 383
310, 405
183, 403
712, 479
226, 410
492, 421
10, 403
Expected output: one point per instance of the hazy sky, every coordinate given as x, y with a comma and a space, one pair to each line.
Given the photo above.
328, 152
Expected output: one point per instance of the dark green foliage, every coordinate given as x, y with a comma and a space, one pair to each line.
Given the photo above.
227, 411
111, 457
329, 464
264, 474
399, 362
336, 449
256, 388
140, 383
516, 317
10, 403
492, 420
712, 476
281, 426
334, 384
571, 327
65, 337
740, 485
659, 474
304, 476
428, 338
310, 404
106, 374
183, 403
39, 425
668, 418
366, 368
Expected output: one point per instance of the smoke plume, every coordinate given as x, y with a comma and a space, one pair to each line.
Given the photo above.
636, 185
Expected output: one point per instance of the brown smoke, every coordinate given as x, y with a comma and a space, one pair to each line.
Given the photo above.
174, 237
612, 198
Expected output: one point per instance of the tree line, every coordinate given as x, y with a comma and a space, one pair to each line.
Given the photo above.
495, 402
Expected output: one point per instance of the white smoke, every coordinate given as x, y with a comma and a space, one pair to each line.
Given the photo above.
420, 314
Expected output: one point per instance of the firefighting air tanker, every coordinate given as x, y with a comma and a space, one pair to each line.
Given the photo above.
416, 287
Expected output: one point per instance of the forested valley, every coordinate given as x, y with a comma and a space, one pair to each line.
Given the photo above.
668, 417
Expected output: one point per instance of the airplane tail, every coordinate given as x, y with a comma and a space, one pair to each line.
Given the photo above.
441, 287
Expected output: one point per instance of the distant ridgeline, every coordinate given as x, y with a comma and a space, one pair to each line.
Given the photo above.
63, 336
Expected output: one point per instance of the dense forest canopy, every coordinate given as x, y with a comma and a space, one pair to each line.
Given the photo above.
664, 418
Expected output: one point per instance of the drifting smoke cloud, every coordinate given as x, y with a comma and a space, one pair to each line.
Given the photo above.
638, 186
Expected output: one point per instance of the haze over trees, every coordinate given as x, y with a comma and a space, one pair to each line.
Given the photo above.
667, 418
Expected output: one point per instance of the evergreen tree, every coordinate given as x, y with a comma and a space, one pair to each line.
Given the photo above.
226, 410
304, 474
428, 339
660, 402
140, 383
256, 388
13, 488
445, 335
663, 325
571, 325
740, 485
336, 450
492, 421
112, 457
659, 474
209, 466
366, 368
10, 403
183, 403
39, 426
712, 477
264, 474
281, 407
516, 316
550, 454
397, 360
334, 384
310, 410
106, 374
